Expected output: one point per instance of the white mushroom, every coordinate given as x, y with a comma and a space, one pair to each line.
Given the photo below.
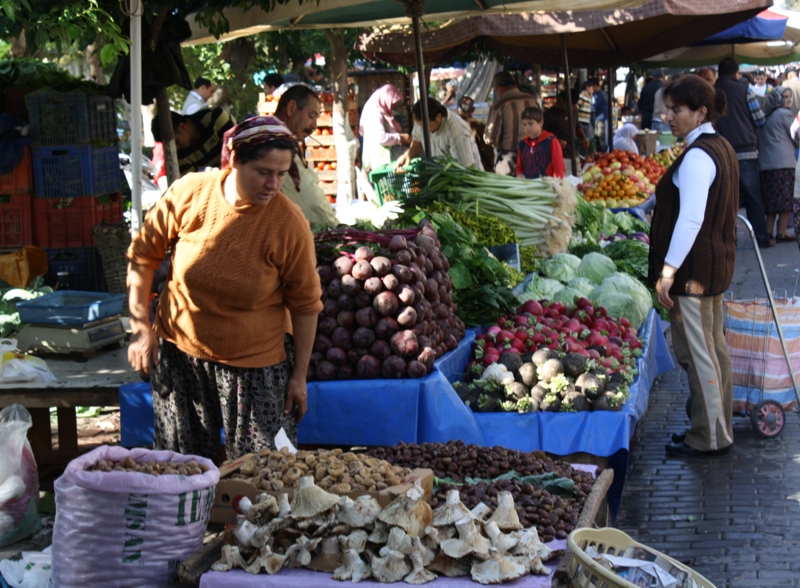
419, 575
399, 540
449, 566
409, 512
353, 568
329, 558
451, 511
469, 541
284, 508
229, 558
529, 543
497, 569
310, 500
244, 531
481, 511
262, 511
390, 567
301, 555
501, 542
272, 562
380, 534
356, 540
432, 539
505, 515
360, 512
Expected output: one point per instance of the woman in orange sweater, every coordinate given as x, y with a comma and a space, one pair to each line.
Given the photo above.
243, 276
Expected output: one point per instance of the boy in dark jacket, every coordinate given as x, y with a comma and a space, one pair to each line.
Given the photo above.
539, 153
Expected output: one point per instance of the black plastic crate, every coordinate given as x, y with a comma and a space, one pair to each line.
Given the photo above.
72, 118
83, 266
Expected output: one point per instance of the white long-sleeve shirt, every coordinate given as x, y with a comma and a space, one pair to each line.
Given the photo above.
693, 179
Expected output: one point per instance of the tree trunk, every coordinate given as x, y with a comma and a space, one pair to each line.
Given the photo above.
96, 71
167, 136
345, 141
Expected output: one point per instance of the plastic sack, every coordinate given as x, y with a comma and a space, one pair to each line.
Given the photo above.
19, 477
19, 267
32, 570
17, 367
128, 528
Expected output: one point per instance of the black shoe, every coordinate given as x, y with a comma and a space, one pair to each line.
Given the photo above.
684, 450
767, 244
678, 437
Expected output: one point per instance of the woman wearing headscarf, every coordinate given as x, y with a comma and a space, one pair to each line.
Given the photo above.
379, 129
776, 161
243, 276
624, 138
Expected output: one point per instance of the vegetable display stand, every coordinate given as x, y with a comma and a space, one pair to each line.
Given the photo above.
16, 228
20, 179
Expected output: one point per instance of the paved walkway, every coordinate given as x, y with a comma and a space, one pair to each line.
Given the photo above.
735, 518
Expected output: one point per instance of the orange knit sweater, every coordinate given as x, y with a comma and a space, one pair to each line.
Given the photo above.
236, 272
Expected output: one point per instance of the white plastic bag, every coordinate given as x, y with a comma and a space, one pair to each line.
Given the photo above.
32, 570
17, 367
19, 477
127, 528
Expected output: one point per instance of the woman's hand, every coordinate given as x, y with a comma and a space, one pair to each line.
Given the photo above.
143, 350
405, 139
296, 396
402, 161
662, 291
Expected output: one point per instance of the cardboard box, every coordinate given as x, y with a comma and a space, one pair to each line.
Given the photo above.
230, 491
646, 141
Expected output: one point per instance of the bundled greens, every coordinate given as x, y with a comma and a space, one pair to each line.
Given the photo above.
33, 73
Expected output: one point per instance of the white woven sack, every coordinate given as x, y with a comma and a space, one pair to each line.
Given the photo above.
128, 529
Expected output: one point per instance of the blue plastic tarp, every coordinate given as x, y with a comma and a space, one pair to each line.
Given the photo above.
765, 26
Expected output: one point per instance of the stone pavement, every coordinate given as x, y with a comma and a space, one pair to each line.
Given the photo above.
734, 518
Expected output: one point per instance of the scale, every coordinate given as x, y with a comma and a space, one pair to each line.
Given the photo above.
86, 338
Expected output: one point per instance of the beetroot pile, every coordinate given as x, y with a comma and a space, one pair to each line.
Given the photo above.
388, 311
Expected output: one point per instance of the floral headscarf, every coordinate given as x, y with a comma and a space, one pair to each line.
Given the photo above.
775, 100
382, 100
258, 130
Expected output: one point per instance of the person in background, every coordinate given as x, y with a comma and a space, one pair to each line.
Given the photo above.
198, 98
556, 121
379, 129
793, 83
585, 109
708, 74
465, 109
760, 87
504, 125
647, 100
451, 88
738, 125
625, 138
236, 322
659, 110
599, 113
299, 108
777, 162
450, 136
272, 82
692, 255
198, 137
633, 104
539, 153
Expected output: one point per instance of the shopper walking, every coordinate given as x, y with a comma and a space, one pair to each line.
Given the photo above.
380, 130
777, 162
504, 125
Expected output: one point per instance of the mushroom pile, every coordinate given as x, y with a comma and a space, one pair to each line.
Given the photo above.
405, 541
332, 470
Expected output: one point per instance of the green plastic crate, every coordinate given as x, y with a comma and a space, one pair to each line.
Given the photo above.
391, 185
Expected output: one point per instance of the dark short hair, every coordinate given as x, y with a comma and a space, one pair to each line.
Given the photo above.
200, 82
694, 92
759, 72
273, 79
504, 79
434, 107
593, 82
728, 66
300, 93
656, 74
532, 113
247, 153
177, 118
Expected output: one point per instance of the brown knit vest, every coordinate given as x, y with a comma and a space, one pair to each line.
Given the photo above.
708, 268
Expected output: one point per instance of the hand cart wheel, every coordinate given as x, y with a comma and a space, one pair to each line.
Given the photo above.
768, 418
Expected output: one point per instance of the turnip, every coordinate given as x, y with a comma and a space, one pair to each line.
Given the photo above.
322, 343
393, 367
364, 253
538, 392
542, 355
424, 341
429, 266
390, 282
451, 342
427, 356
432, 290
325, 371
326, 325
345, 372
578, 401
363, 300
354, 354
402, 273
397, 243
367, 317
517, 391
325, 274
404, 343
368, 367
343, 338
350, 285
343, 266
407, 317
436, 258
549, 370
607, 401
574, 364
386, 304
590, 385
425, 242
386, 327
416, 369
346, 302
380, 349
336, 356
362, 270
335, 288
406, 294
527, 374
346, 319
416, 272
373, 286
381, 265
512, 361
403, 256
417, 289
363, 337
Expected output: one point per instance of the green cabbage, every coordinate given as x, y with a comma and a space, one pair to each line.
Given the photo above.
541, 288
567, 296
634, 310
582, 285
596, 267
561, 267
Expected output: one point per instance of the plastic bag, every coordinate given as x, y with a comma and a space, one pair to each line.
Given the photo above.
32, 570
19, 477
17, 367
128, 528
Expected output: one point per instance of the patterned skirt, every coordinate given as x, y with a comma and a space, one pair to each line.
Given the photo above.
777, 190
194, 400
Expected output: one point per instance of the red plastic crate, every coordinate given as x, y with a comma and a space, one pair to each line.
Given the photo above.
67, 222
20, 179
16, 228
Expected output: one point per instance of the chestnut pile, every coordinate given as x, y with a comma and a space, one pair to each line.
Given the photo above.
388, 307
154, 468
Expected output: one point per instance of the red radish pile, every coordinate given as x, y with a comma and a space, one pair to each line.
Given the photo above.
388, 308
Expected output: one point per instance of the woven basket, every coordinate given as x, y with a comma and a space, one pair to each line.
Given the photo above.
587, 573
113, 240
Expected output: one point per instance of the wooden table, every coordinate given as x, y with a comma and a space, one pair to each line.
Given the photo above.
93, 382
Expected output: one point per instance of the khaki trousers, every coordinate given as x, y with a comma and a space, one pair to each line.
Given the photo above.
701, 350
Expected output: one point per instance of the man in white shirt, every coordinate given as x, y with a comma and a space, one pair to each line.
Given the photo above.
197, 98
761, 87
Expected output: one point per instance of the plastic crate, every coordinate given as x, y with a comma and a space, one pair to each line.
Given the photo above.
71, 119
70, 307
68, 222
82, 264
390, 185
136, 415
15, 220
585, 572
70, 171
20, 179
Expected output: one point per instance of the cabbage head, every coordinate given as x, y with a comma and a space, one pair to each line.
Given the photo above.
617, 304
622, 283
596, 267
561, 267
568, 296
582, 285
541, 288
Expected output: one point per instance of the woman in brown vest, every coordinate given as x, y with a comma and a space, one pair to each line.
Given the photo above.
693, 244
